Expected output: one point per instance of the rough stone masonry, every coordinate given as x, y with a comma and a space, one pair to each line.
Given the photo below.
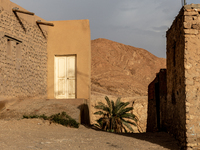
23, 56
183, 77
179, 112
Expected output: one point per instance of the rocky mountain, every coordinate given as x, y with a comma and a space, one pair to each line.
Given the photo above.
122, 70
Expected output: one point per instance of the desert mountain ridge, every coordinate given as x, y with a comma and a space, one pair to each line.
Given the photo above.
122, 70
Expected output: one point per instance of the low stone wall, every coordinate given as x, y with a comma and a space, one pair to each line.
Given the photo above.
140, 108
15, 109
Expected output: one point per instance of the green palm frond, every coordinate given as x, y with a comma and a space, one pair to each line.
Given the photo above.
100, 104
123, 111
97, 125
127, 125
102, 107
108, 101
117, 103
129, 122
125, 130
115, 116
99, 113
99, 120
123, 105
129, 116
112, 106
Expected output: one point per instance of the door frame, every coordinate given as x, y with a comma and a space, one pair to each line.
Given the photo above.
75, 55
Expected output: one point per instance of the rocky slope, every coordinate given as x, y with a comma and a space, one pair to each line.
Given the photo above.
122, 70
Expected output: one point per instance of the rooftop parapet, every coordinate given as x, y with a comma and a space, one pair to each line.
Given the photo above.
192, 6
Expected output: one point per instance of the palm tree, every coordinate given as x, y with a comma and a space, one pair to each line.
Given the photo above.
115, 116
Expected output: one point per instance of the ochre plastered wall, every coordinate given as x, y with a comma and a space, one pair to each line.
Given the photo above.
71, 38
23, 69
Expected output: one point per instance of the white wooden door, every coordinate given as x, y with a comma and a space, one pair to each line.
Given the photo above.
65, 77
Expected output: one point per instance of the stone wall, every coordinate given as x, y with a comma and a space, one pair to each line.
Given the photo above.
140, 108
192, 74
152, 113
176, 118
23, 55
179, 110
157, 91
183, 70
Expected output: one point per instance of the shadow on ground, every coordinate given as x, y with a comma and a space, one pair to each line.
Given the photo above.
160, 138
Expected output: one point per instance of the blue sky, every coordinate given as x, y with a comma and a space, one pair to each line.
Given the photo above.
139, 23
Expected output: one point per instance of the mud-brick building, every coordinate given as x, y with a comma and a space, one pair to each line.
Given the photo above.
41, 59
23, 54
182, 104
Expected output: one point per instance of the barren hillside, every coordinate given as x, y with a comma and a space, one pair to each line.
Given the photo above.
122, 70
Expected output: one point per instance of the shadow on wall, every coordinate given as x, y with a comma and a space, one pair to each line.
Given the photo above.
2, 104
157, 92
84, 114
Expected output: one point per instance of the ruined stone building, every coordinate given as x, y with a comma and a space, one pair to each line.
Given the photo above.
178, 112
157, 91
40, 59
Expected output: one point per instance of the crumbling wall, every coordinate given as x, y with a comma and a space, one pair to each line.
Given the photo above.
23, 55
183, 71
151, 112
163, 97
156, 113
192, 74
176, 98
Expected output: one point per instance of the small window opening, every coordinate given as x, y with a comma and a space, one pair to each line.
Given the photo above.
18, 50
9, 47
173, 98
18, 55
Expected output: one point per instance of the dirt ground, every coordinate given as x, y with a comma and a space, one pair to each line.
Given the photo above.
34, 134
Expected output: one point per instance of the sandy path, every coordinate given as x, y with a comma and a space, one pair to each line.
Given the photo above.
30, 134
